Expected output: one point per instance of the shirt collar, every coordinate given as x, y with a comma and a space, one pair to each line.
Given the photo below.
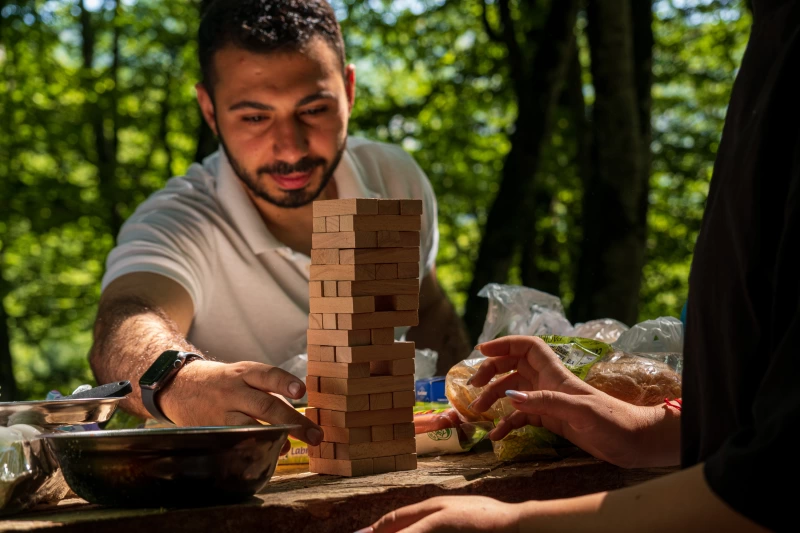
244, 215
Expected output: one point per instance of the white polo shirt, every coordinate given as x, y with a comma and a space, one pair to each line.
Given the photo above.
250, 291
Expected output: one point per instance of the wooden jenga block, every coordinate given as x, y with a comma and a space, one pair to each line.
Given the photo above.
329, 288
314, 321
347, 435
326, 337
327, 450
382, 400
321, 353
334, 467
370, 385
388, 207
386, 271
384, 319
312, 385
315, 289
378, 288
405, 462
344, 304
383, 336
379, 223
313, 451
340, 370
382, 432
401, 302
318, 225
347, 239
410, 207
404, 431
367, 450
364, 256
325, 256
312, 413
405, 398
397, 239
407, 270
396, 367
345, 206
360, 419
383, 465
375, 352
337, 402
328, 320
343, 272
332, 224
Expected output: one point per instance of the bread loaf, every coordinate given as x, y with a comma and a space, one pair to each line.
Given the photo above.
635, 379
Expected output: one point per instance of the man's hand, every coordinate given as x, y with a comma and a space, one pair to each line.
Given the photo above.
546, 394
207, 393
450, 513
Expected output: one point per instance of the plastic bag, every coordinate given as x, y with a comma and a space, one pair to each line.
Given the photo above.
663, 334
29, 474
530, 442
605, 330
639, 379
519, 310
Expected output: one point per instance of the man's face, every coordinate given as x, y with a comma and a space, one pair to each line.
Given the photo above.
282, 118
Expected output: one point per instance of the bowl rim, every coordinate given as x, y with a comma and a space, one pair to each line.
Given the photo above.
176, 431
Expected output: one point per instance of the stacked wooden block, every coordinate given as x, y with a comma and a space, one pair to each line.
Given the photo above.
363, 283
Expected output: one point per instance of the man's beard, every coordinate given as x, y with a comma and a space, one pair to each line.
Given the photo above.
293, 198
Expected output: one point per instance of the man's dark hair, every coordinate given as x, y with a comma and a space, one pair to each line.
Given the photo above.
265, 26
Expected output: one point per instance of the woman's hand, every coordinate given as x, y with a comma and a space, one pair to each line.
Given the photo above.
546, 394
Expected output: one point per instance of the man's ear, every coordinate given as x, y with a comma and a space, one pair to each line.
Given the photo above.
206, 107
350, 85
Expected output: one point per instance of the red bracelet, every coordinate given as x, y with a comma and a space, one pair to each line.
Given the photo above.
678, 404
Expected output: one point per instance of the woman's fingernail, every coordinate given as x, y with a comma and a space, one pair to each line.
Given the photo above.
516, 395
313, 436
473, 402
294, 389
469, 381
478, 347
366, 530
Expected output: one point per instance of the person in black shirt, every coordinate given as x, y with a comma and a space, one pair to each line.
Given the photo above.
741, 398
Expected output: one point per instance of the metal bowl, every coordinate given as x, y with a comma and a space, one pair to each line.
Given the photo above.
166, 467
54, 413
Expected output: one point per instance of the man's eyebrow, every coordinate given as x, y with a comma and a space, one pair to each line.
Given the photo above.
250, 104
324, 94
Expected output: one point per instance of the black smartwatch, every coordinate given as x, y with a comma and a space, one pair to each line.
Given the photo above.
159, 375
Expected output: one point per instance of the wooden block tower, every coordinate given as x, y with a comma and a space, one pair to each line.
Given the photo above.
364, 282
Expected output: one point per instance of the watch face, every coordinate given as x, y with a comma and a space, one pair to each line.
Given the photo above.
160, 369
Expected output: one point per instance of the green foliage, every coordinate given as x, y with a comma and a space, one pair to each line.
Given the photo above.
81, 145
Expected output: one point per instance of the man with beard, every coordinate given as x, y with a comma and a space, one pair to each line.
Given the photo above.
216, 264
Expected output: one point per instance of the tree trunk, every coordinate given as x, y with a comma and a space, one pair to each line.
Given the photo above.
612, 255
8, 385
506, 220
537, 245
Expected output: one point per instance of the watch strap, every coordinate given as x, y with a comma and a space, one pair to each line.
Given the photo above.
149, 395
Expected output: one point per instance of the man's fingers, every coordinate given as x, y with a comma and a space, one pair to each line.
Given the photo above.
491, 367
273, 410
402, 518
494, 391
273, 379
234, 418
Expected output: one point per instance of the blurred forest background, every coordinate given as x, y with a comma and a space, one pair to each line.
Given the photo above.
570, 145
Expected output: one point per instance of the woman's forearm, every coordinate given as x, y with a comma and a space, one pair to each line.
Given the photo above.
676, 502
